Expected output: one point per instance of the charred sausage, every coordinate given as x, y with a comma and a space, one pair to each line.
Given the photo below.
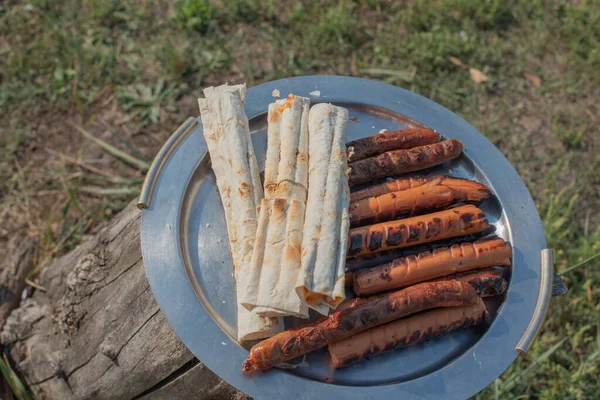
406, 332
487, 282
425, 266
394, 185
401, 161
382, 257
407, 232
391, 140
343, 324
435, 195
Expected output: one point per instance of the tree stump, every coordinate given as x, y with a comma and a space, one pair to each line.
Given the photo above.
98, 333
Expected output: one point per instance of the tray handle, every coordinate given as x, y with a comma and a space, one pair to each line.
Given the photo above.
160, 159
542, 303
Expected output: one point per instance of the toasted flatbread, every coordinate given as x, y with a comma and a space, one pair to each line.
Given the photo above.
276, 257
286, 165
225, 128
321, 280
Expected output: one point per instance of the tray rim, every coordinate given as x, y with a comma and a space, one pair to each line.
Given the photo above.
165, 270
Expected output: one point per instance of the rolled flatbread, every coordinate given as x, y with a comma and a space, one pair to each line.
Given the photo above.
276, 257
321, 280
286, 166
227, 134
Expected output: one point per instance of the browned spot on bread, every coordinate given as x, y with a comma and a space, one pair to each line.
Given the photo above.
244, 189
273, 116
287, 103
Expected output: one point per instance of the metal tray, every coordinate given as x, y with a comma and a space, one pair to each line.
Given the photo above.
188, 264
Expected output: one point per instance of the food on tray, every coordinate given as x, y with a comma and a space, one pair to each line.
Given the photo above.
397, 162
406, 332
286, 165
487, 282
343, 324
394, 185
225, 128
381, 257
425, 266
321, 280
437, 194
390, 140
421, 258
276, 258
445, 224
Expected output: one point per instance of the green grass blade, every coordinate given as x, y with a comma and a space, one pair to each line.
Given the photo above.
7, 376
116, 135
512, 381
13, 380
579, 264
142, 165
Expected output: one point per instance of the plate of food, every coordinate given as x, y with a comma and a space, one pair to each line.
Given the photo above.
338, 237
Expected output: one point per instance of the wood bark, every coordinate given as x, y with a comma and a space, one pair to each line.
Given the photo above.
98, 333
17, 260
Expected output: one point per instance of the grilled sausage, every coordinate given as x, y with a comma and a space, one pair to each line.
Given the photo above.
392, 140
382, 257
487, 282
394, 185
406, 332
445, 224
422, 267
401, 161
435, 195
343, 324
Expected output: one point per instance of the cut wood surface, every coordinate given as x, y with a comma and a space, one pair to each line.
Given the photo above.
98, 333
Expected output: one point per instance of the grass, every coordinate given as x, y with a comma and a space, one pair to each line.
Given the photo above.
127, 73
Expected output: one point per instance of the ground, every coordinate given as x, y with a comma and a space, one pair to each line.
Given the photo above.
526, 73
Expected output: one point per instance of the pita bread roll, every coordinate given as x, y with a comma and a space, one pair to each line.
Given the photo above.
276, 258
286, 166
321, 280
225, 128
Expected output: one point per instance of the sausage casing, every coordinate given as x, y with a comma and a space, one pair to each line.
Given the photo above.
425, 266
382, 257
342, 324
393, 185
487, 282
397, 162
435, 195
391, 140
459, 221
406, 332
